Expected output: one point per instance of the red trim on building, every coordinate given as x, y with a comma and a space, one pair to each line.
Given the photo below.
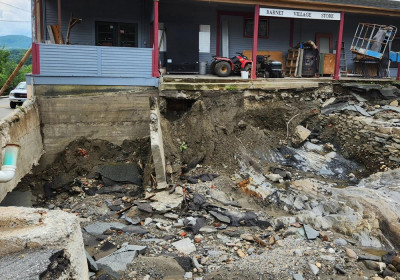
156, 72
35, 59
336, 74
255, 41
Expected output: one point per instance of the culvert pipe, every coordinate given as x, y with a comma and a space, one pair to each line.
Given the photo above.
9, 166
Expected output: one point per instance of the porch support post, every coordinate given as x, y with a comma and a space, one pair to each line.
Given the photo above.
336, 74
59, 22
156, 72
255, 41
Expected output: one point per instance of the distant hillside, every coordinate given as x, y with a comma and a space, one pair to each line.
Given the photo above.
15, 42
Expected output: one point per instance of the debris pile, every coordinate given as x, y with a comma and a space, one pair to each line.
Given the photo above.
283, 193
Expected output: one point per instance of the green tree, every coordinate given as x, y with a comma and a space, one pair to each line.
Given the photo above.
7, 66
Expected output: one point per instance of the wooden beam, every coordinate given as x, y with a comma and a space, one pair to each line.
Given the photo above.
59, 22
317, 6
15, 72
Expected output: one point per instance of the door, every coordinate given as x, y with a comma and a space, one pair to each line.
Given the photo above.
324, 42
182, 48
225, 38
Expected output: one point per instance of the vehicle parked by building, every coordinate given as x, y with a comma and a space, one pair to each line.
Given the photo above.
18, 95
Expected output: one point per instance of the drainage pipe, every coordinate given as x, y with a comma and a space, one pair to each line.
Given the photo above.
7, 171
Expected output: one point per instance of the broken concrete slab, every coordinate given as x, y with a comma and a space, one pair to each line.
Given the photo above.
311, 233
115, 264
300, 135
166, 201
157, 146
33, 228
184, 246
30, 266
106, 249
100, 227
220, 217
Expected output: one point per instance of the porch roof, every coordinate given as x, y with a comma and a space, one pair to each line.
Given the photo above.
373, 7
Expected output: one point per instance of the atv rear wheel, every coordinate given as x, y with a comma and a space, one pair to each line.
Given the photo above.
212, 67
223, 69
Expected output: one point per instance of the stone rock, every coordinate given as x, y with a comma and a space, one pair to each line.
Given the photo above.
314, 268
387, 272
372, 265
369, 258
220, 217
171, 216
389, 278
164, 201
188, 275
396, 262
394, 103
388, 258
100, 227
298, 277
300, 135
311, 233
116, 263
184, 246
185, 263
340, 242
91, 262
135, 229
274, 177
145, 207
240, 253
351, 254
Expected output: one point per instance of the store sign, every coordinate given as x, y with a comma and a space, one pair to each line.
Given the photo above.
270, 12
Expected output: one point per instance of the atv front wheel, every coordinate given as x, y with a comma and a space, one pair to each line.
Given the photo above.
223, 69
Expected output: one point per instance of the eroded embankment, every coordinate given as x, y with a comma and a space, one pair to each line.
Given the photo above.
261, 186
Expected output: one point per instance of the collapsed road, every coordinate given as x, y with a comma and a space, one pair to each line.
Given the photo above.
284, 185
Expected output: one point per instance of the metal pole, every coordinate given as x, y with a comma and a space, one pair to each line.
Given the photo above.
339, 47
255, 41
155, 45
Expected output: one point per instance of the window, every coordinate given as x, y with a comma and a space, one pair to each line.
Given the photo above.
262, 28
116, 34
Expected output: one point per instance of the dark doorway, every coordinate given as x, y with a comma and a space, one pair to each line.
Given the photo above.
182, 48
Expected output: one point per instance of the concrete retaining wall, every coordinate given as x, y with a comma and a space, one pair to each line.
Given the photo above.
22, 128
113, 113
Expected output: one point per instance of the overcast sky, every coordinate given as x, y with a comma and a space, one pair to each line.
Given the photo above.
12, 12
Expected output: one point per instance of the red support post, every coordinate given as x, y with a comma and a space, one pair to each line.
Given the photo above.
156, 72
35, 59
336, 74
255, 41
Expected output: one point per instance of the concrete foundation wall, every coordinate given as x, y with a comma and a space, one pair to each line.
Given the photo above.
22, 128
114, 114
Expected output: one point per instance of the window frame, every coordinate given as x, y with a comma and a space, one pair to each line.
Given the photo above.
266, 19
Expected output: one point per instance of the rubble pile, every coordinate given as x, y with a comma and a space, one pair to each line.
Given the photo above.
283, 193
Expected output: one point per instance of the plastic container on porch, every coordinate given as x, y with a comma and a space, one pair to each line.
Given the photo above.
203, 67
244, 74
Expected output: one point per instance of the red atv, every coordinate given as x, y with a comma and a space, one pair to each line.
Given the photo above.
223, 66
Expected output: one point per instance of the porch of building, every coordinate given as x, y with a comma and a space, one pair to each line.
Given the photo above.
101, 52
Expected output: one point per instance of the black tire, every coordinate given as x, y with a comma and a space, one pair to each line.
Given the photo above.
13, 105
223, 69
212, 68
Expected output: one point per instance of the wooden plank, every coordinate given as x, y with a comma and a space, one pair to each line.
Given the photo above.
329, 64
274, 55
